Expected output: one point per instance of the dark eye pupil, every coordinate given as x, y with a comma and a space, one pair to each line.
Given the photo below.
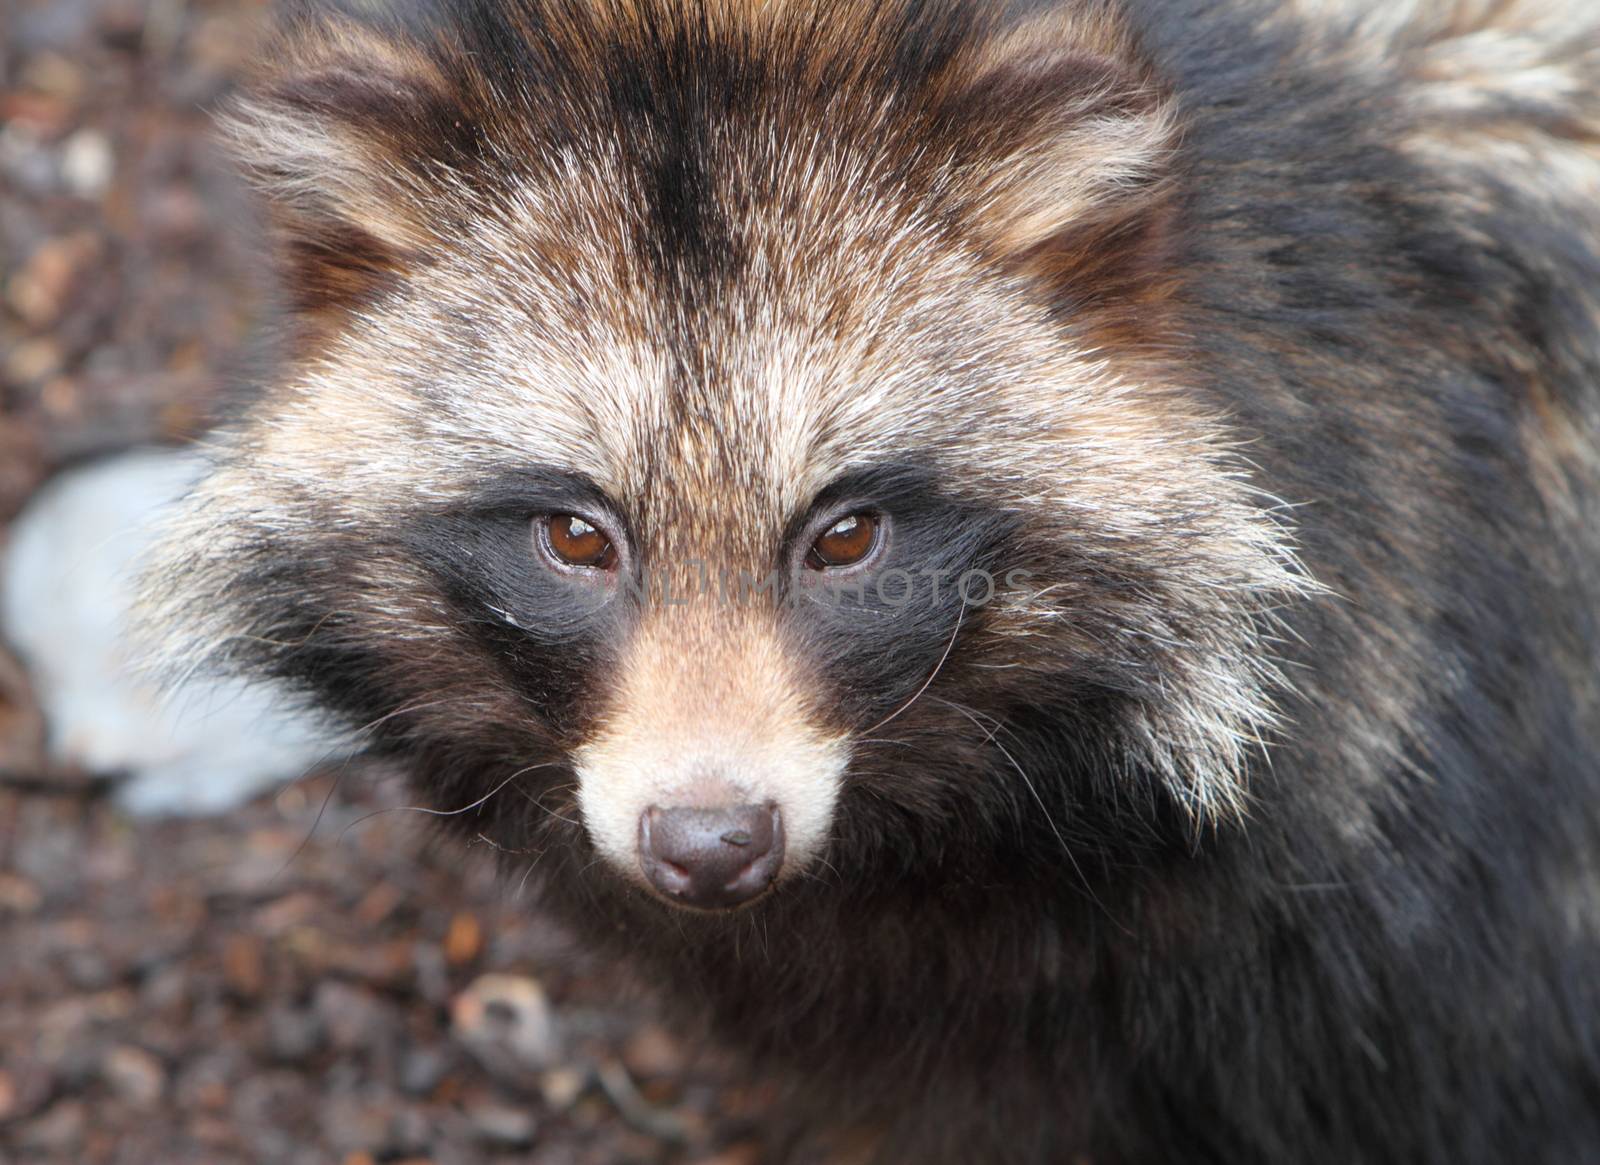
845, 543
577, 543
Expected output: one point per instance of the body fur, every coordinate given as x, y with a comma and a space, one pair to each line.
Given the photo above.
1263, 825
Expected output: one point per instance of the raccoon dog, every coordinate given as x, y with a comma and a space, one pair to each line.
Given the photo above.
1034, 568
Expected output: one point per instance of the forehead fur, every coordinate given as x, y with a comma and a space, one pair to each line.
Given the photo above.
721, 245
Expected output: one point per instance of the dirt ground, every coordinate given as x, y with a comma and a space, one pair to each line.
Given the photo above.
309, 979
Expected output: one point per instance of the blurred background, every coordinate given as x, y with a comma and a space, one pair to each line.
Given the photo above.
203, 959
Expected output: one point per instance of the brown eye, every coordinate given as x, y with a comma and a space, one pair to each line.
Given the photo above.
844, 543
577, 543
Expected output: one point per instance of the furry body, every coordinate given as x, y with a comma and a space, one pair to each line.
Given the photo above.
1266, 338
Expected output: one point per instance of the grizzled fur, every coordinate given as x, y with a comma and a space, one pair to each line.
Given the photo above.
1263, 824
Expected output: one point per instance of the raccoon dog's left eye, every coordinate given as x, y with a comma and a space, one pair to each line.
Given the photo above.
572, 541
845, 543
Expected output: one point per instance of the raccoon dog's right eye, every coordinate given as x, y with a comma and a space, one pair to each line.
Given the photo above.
845, 543
573, 541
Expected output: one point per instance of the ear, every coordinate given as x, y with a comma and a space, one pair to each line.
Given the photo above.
342, 134
1078, 153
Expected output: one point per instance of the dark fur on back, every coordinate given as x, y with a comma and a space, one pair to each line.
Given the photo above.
1266, 828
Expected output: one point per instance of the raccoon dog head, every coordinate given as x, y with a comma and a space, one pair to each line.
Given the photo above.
758, 432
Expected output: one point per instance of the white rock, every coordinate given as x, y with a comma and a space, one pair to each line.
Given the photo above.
87, 163
66, 587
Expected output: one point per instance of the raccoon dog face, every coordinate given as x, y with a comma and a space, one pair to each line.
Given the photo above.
759, 432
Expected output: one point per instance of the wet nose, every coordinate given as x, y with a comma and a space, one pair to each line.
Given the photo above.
711, 858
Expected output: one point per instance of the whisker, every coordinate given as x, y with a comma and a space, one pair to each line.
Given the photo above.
367, 728
971, 714
960, 615
538, 803
339, 775
478, 804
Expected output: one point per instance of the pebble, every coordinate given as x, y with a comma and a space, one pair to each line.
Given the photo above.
431, 973
652, 1052
165, 992
561, 1087
55, 76
24, 160
354, 1018
503, 1125
87, 163
244, 965
464, 940
59, 1130
294, 1034
34, 360
134, 1075
38, 290
410, 1132
507, 1022
18, 895
204, 1083
356, 1123
89, 970
422, 1069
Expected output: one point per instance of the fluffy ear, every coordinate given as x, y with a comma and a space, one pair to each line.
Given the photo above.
342, 134
1078, 151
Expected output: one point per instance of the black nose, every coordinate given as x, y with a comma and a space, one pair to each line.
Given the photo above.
711, 858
